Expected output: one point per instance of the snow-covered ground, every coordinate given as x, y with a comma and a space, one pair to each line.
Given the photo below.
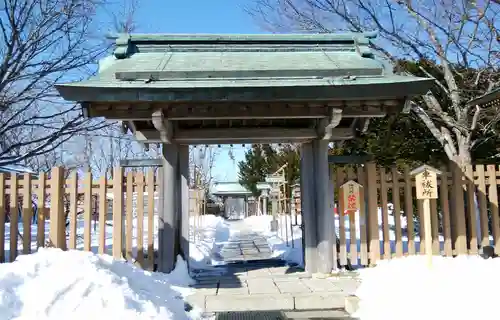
206, 233
95, 232
454, 288
280, 241
55, 284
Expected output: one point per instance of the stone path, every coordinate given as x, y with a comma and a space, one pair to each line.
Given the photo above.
253, 282
244, 245
258, 288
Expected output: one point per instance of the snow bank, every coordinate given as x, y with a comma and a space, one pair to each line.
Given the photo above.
259, 223
55, 284
209, 230
281, 241
454, 288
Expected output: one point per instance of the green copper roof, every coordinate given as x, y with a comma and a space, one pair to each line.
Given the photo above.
207, 62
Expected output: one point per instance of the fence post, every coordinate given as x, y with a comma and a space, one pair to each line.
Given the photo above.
117, 212
373, 225
57, 218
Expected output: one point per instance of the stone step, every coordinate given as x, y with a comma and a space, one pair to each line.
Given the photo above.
242, 301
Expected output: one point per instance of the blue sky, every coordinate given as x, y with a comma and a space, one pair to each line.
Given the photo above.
194, 16
200, 16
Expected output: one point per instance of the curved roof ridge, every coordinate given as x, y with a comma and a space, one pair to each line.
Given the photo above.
127, 44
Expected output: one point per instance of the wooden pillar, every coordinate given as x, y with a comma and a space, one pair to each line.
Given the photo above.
325, 221
308, 207
184, 200
168, 246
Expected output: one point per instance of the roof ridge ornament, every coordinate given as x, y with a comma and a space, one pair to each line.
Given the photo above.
363, 47
122, 44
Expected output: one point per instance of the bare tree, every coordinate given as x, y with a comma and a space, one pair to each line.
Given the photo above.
44, 42
202, 161
461, 38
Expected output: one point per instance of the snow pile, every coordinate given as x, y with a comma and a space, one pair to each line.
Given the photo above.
55, 284
260, 223
207, 231
280, 241
454, 288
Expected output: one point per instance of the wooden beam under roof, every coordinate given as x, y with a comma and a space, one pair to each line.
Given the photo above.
243, 135
132, 111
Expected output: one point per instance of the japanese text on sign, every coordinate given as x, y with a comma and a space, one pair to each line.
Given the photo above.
351, 196
426, 184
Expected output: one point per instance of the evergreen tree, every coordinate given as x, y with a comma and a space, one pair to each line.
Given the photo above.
262, 160
253, 169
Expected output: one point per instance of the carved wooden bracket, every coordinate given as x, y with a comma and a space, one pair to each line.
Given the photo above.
163, 126
330, 123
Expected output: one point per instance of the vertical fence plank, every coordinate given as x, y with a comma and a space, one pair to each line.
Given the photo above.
371, 184
362, 218
27, 213
73, 202
341, 213
130, 210
117, 212
139, 180
445, 210
14, 217
458, 225
435, 227
471, 209
2, 217
410, 228
353, 239
57, 218
103, 206
151, 204
397, 211
483, 207
87, 212
385, 213
41, 197
421, 229
493, 200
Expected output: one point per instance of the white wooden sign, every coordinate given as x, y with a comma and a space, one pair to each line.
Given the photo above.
426, 182
351, 196
426, 185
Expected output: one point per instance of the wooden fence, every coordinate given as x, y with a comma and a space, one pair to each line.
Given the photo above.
454, 214
116, 216
79, 211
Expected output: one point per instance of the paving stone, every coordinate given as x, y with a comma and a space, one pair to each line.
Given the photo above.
279, 270
318, 300
233, 291
291, 276
261, 286
258, 272
292, 287
348, 286
321, 285
257, 302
